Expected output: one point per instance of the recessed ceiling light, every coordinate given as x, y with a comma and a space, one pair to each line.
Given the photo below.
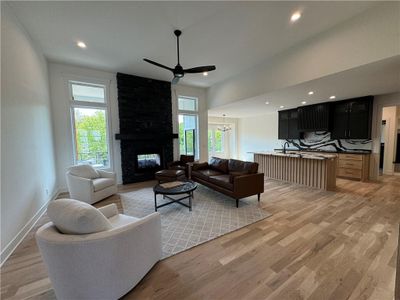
311, 92
266, 102
332, 97
281, 106
81, 44
303, 102
205, 73
295, 17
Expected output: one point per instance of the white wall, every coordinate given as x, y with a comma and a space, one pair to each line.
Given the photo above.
369, 37
60, 74
258, 134
200, 94
28, 176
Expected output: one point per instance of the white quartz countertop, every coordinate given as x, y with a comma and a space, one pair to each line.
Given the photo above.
300, 155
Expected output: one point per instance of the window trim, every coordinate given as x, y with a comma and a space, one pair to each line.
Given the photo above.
192, 113
94, 105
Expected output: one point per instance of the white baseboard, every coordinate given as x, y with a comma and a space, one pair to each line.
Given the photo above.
11, 246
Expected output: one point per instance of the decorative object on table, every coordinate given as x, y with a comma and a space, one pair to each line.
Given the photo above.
178, 71
90, 185
234, 178
78, 260
172, 184
170, 175
213, 215
185, 188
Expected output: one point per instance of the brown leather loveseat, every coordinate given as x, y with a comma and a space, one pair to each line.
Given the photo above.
235, 178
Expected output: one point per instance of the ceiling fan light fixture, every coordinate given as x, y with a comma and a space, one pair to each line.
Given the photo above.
178, 71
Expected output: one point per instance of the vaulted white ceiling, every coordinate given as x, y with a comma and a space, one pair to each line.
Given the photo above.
377, 78
233, 35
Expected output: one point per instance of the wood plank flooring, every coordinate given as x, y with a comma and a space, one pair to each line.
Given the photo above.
317, 245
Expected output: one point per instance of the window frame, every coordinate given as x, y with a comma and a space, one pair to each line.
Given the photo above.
194, 113
91, 105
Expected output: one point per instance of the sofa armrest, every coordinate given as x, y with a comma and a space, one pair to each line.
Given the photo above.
105, 174
174, 163
248, 185
109, 210
199, 166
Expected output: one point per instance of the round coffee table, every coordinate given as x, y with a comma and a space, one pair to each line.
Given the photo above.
186, 188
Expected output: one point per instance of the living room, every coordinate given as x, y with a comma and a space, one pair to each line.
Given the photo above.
233, 204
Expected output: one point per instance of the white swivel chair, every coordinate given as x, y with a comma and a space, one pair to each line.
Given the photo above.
89, 185
101, 254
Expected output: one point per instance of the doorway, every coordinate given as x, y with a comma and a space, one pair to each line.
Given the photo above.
389, 161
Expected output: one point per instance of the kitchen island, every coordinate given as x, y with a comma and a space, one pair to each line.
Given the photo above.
317, 170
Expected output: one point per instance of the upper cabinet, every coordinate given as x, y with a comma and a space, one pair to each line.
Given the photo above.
352, 118
288, 124
314, 117
347, 119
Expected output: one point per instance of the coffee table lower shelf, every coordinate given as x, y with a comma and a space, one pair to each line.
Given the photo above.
186, 189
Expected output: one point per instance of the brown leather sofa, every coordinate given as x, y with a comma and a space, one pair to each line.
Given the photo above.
235, 178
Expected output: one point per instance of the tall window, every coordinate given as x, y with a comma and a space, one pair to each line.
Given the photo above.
188, 119
216, 141
89, 115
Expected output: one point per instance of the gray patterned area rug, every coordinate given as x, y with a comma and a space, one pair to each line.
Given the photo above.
213, 214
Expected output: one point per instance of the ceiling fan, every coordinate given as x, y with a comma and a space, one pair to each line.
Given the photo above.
178, 71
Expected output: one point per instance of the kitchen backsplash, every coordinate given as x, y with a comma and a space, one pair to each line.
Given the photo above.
321, 140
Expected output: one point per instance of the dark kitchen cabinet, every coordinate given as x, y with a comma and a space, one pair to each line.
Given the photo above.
287, 128
283, 126
352, 118
314, 117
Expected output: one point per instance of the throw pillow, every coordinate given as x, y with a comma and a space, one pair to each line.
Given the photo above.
85, 171
76, 217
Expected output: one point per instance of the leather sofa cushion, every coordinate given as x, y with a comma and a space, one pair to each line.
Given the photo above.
222, 181
235, 165
219, 164
205, 174
102, 183
76, 217
232, 175
199, 166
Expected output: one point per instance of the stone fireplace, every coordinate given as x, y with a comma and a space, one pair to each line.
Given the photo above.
145, 114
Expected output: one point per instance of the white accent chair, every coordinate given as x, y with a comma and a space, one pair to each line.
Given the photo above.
100, 265
89, 185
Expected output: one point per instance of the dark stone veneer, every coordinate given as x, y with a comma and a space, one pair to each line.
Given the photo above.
145, 120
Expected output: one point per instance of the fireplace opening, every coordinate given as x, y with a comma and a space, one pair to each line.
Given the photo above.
148, 161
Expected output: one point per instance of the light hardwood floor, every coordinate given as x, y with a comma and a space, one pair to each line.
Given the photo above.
317, 245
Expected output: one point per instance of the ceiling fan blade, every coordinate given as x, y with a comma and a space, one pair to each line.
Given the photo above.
157, 64
200, 69
175, 80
